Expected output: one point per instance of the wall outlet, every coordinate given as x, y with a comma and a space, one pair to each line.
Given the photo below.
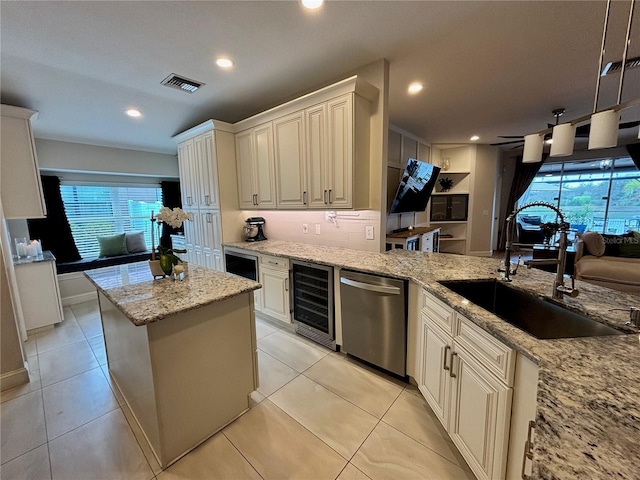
368, 232
305, 228
317, 229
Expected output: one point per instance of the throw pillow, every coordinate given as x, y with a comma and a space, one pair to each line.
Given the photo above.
594, 243
613, 243
630, 248
135, 242
113, 245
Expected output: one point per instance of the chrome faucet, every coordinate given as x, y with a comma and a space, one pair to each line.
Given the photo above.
559, 288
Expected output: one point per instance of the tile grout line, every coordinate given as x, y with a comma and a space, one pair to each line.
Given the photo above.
241, 454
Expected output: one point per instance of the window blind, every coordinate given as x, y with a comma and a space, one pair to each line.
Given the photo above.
100, 210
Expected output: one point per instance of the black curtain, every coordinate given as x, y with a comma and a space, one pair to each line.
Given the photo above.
634, 153
54, 231
524, 175
171, 197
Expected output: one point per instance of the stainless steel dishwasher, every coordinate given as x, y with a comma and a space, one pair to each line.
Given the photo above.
374, 319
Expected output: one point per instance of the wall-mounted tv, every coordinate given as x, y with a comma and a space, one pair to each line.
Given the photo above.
416, 185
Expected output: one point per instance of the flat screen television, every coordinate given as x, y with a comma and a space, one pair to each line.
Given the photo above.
416, 185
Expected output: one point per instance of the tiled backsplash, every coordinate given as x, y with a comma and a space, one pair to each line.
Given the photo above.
347, 230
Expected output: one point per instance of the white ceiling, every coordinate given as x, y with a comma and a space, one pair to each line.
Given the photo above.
489, 67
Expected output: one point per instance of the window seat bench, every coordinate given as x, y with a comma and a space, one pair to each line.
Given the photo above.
98, 262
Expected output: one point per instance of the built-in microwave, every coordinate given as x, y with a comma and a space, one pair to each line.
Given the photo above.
241, 264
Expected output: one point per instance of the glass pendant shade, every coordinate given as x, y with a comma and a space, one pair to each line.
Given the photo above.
564, 136
532, 148
604, 130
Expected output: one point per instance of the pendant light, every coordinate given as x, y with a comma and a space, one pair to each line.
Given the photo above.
564, 136
604, 125
532, 148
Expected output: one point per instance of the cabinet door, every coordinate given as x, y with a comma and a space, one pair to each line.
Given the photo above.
275, 293
185, 160
244, 159
480, 412
340, 158
291, 184
21, 186
316, 150
264, 167
39, 294
204, 146
193, 231
217, 261
211, 229
433, 374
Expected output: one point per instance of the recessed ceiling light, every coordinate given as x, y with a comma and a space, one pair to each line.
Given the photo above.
223, 62
312, 4
132, 112
415, 88
475, 138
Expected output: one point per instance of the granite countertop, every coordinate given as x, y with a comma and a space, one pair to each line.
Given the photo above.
588, 410
46, 256
143, 300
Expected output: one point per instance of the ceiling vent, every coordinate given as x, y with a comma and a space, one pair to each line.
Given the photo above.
181, 83
615, 67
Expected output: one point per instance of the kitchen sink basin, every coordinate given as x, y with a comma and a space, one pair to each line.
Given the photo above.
537, 316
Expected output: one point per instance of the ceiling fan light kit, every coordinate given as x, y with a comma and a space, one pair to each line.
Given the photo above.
564, 136
532, 148
604, 129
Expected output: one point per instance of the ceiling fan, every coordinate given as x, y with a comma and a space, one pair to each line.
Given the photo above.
582, 131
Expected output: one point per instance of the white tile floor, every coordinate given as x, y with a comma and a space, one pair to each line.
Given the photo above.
317, 414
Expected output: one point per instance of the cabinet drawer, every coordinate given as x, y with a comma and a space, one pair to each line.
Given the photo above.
494, 355
278, 263
439, 312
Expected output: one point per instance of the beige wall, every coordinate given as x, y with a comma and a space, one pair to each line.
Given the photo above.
78, 157
482, 213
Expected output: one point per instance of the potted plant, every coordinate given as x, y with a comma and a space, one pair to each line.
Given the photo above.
445, 184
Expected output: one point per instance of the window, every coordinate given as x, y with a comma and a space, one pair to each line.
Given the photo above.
98, 210
601, 195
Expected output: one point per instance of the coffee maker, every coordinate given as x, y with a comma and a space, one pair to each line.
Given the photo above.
253, 229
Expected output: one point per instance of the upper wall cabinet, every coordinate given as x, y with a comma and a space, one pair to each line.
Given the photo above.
197, 163
256, 170
22, 195
320, 151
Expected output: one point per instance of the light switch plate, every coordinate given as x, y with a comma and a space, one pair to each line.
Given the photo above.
368, 232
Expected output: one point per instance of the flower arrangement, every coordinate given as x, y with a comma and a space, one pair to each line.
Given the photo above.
445, 184
173, 217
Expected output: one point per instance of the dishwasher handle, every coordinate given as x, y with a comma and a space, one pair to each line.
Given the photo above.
370, 287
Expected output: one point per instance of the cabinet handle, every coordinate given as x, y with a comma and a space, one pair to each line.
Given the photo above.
304, 198
286, 284
209, 217
324, 196
528, 449
189, 202
452, 373
330, 201
255, 199
444, 360
206, 200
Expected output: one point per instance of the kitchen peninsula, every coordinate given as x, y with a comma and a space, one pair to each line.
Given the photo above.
585, 390
182, 353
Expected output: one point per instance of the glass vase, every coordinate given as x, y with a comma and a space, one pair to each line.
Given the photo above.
166, 263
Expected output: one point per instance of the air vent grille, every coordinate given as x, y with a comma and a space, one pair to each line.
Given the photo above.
614, 67
181, 83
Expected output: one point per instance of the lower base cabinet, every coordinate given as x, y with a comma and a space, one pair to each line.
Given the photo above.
467, 378
274, 296
39, 294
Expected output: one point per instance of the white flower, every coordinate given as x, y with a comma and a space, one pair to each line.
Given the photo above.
173, 217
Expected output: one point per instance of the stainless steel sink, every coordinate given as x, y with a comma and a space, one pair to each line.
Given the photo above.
537, 316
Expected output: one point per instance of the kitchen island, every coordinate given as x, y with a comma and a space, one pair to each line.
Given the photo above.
182, 353
587, 414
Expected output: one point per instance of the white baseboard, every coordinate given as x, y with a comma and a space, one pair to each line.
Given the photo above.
81, 298
14, 378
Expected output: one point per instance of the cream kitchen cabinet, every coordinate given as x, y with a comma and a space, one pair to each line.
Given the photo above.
313, 152
290, 161
200, 150
21, 188
39, 293
274, 277
256, 168
466, 376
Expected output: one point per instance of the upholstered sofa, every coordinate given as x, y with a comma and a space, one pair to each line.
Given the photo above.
611, 261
